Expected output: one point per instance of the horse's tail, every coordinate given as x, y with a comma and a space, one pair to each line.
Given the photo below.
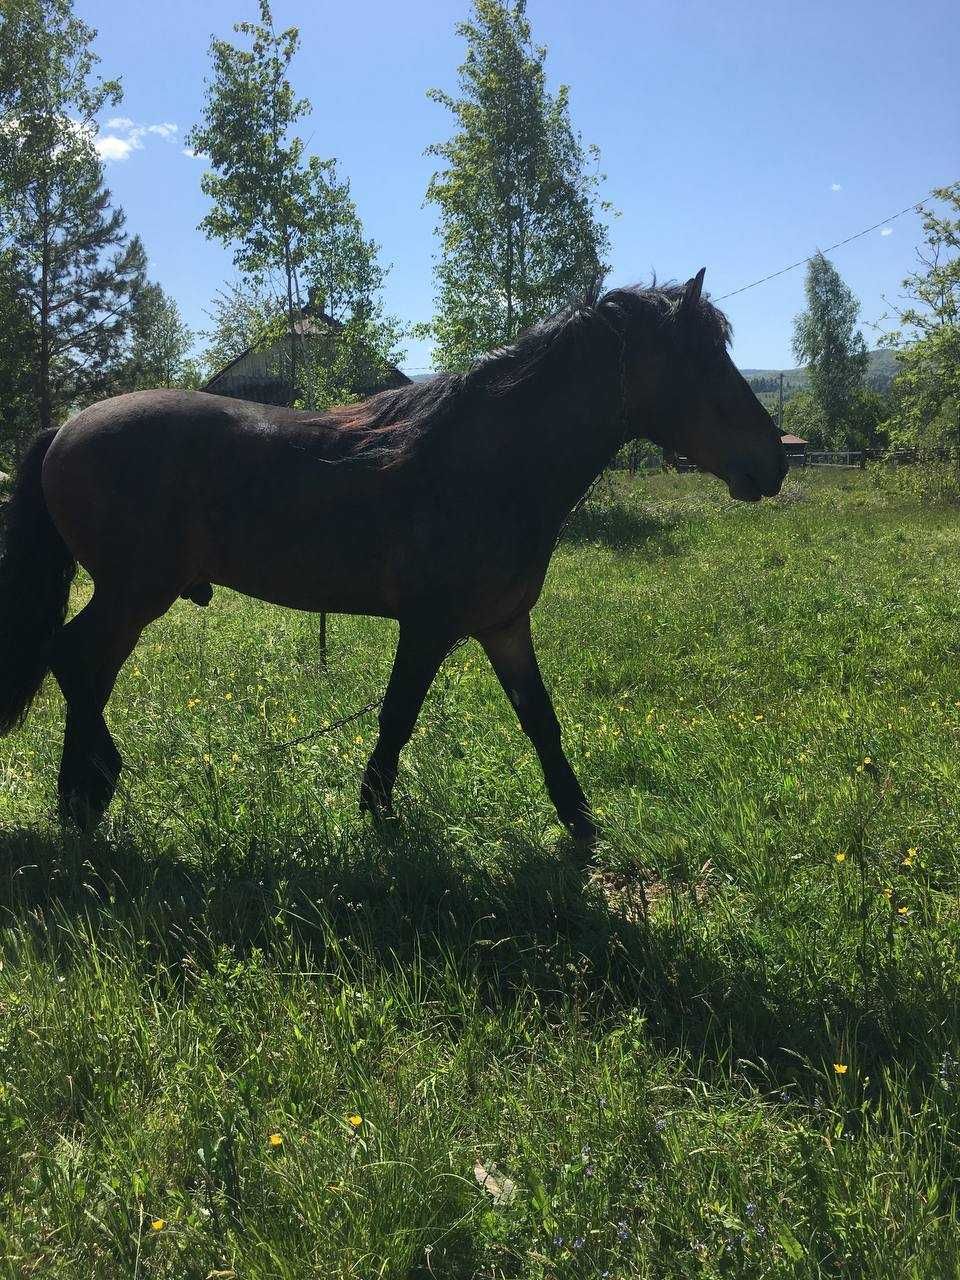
36, 570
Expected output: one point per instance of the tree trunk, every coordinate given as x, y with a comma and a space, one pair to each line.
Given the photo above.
509, 185
288, 267
520, 289
508, 336
46, 404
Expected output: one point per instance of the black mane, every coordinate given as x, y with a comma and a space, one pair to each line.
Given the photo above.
392, 424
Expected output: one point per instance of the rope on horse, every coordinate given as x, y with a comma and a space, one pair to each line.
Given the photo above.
354, 715
328, 728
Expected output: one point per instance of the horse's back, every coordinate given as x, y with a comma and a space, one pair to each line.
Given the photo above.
128, 471
180, 487
142, 422
169, 489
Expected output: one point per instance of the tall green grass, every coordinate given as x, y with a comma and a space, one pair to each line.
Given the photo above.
243, 1032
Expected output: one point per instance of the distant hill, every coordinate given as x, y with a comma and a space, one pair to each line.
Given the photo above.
881, 370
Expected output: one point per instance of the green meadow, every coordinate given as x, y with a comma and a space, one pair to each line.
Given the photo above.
247, 1034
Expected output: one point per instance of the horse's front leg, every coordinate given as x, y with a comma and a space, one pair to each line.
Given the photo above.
512, 656
420, 652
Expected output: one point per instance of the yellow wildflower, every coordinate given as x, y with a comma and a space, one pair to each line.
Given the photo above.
840, 857
355, 1121
157, 1224
910, 858
276, 1139
840, 1068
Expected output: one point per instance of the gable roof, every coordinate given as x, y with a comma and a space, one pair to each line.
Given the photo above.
306, 325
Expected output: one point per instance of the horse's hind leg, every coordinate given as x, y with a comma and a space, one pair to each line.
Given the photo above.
512, 657
420, 653
88, 655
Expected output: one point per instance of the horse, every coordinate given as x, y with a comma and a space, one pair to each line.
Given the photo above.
437, 504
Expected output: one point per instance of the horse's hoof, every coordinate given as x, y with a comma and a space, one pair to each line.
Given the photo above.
78, 813
583, 831
376, 789
374, 802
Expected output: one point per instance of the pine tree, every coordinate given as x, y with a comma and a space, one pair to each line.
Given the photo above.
76, 270
519, 226
17, 406
828, 343
158, 344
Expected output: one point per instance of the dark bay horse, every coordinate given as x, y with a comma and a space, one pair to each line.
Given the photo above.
436, 504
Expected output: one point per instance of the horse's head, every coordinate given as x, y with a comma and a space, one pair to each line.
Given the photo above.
690, 398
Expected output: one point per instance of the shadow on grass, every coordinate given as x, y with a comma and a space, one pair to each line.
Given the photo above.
533, 930
623, 529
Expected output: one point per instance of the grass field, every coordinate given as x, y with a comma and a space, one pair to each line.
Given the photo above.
244, 1033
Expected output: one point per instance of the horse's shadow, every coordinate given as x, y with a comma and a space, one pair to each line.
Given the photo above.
531, 927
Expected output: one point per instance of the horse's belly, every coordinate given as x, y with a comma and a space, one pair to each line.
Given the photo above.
328, 596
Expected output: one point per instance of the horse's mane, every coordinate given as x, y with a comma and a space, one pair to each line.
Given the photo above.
388, 427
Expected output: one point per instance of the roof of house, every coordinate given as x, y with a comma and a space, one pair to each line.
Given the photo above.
305, 325
789, 439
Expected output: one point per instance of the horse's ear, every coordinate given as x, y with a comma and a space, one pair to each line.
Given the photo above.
692, 291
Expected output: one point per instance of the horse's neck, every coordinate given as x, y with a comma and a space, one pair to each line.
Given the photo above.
573, 439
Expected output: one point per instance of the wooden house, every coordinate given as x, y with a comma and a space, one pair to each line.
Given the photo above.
262, 372
795, 448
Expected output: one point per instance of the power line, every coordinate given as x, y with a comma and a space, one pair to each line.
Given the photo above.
916, 207
911, 208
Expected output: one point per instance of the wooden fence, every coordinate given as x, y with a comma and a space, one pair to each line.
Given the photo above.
821, 458
849, 458
835, 458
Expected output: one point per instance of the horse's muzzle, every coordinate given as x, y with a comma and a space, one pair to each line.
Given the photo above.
746, 486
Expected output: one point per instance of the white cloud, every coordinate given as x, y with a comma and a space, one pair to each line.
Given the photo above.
194, 155
110, 147
886, 231
835, 186
126, 136
81, 128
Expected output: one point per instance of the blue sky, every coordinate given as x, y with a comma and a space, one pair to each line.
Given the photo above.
739, 136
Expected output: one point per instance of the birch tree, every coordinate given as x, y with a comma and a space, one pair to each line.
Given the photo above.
520, 218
